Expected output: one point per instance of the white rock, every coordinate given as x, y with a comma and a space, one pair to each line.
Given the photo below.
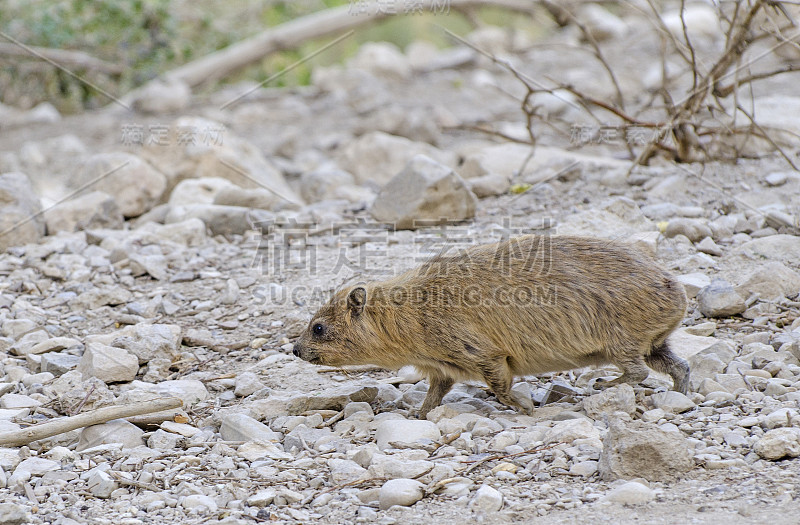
9, 459
405, 431
241, 427
92, 210
376, 156
199, 191
345, 471
247, 383
773, 280
13, 514
570, 430
583, 468
701, 20
424, 193
199, 503
115, 431
631, 493
101, 484
487, 499
620, 398
719, 299
16, 401
190, 391
381, 59
135, 185
36, 466
779, 443
262, 498
159, 96
403, 492
672, 401
145, 341
108, 364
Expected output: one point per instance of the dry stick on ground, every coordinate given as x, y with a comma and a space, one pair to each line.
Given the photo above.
321, 24
18, 438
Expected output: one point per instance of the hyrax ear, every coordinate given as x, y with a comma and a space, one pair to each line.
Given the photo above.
356, 300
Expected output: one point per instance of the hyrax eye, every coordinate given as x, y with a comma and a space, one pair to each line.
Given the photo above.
318, 330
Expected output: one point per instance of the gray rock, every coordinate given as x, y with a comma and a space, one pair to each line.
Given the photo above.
101, 484
303, 434
200, 191
162, 96
20, 218
719, 299
400, 465
570, 430
405, 431
403, 492
259, 198
672, 401
776, 178
620, 398
92, 210
773, 280
54, 345
487, 499
13, 514
115, 431
161, 440
215, 152
108, 364
356, 408
247, 383
631, 493
694, 229
376, 157
779, 443
708, 246
322, 183
783, 248
14, 401
190, 391
345, 471
424, 193
383, 60
241, 427
635, 449
145, 341
135, 185
199, 503
220, 220
332, 399
36, 466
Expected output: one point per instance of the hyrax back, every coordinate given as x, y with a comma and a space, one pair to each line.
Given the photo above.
524, 306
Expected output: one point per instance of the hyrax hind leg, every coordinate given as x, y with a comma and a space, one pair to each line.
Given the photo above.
634, 371
498, 376
661, 359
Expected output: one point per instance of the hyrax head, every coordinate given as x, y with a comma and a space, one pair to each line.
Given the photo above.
338, 333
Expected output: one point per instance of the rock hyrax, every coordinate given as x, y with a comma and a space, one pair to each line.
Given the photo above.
524, 306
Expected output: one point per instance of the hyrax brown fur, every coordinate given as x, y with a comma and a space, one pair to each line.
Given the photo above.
524, 306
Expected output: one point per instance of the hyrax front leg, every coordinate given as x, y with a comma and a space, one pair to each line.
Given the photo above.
438, 388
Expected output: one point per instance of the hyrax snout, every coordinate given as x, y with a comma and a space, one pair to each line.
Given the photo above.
524, 306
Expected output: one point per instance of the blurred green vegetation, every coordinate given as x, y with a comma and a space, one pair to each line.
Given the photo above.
150, 37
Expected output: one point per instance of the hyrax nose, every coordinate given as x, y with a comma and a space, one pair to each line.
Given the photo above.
296, 350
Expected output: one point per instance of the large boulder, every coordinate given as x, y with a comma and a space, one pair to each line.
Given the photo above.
635, 449
424, 193
376, 156
93, 210
21, 221
135, 185
194, 147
